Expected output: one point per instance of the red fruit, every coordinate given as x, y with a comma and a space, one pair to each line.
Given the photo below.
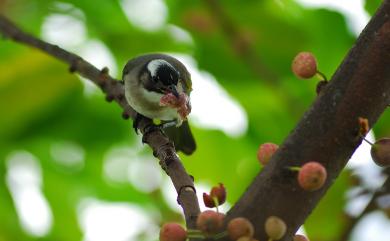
299, 237
265, 152
172, 232
275, 227
312, 176
208, 200
209, 222
219, 192
380, 152
240, 227
304, 65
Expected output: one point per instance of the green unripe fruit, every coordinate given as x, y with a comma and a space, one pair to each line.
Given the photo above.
275, 227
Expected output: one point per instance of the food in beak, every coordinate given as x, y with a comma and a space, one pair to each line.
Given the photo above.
181, 103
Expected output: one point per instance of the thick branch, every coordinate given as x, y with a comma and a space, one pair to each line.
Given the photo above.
327, 133
162, 147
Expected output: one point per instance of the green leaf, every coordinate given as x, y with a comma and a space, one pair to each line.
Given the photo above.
372, 5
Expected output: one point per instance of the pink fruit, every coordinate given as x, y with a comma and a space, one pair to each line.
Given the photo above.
169, 100
240, 227
172, 232
209, 222
380, 152
304, 65
265, 152
312, 176
181, 103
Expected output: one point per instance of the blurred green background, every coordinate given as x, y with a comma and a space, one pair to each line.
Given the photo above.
72, 169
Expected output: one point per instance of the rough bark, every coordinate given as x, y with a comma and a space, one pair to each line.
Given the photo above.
327, 133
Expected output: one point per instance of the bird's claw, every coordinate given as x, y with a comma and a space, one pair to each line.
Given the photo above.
136, 121
149, 129
170, 124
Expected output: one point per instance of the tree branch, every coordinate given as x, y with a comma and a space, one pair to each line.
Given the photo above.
162, 147
327, 133
242, 46
371, 206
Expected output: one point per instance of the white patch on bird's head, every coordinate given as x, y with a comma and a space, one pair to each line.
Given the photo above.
155, 64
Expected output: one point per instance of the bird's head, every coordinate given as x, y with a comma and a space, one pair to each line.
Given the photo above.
163, 78
173, 86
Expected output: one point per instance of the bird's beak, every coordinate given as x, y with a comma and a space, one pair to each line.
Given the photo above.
172, 89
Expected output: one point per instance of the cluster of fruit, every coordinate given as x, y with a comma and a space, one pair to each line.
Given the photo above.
311, 176
304, 66
210, 224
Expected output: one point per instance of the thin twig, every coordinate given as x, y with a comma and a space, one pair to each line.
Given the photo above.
162, 147
371, 206
243, 47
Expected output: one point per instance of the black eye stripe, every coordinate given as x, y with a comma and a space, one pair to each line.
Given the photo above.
166, 74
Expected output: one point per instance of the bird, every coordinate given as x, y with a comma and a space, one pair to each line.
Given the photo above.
158, 86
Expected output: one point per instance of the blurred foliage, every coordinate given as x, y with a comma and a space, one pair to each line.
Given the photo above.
41, 103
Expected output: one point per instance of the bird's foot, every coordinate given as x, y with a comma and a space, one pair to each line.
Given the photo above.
171, 123
136, 121
149, 129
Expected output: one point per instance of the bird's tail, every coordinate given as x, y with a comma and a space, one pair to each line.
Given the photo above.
182, 137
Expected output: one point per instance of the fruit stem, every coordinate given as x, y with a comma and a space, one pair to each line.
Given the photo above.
200, 236
321, 76
369, 142
194, 231
216, 203
220, 235
294, 169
